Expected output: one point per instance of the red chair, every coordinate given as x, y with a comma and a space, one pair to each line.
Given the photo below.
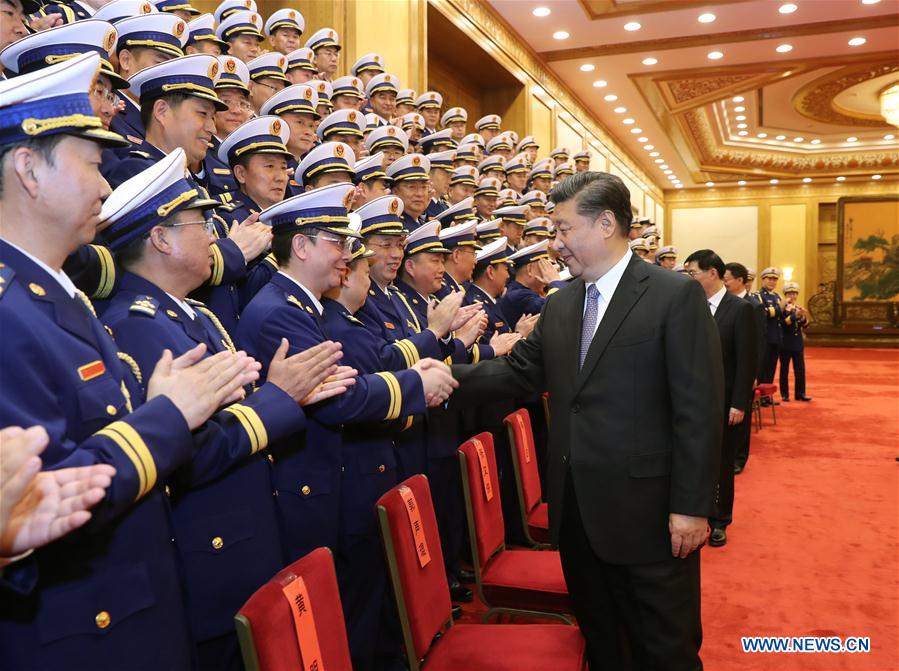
518, 582
270, 637
433, 642
766, 391
757, 409
534, 514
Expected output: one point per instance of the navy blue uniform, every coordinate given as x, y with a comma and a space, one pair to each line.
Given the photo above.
127, 123
306, 469
792, 349
410, 223
223, 511
771, 303
94, 598
519, 301
221, 180
436, 206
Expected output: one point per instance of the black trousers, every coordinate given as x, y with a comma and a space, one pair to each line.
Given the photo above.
731, 440
798, 359
634, 617
743, 434
769, 362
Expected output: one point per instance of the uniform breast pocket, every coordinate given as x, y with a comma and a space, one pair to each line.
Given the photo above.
100, 401
97, 607
628, 337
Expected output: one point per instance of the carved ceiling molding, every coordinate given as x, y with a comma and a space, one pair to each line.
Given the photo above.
492, 28
815, 100
788, 192
604, 9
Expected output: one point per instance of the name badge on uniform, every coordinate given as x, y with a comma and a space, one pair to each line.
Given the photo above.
91, 370
415, 525
304, 622
389, 325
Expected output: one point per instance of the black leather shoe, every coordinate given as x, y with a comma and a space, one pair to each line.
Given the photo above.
738, 468
803, 398
785, 399
457, 612
718, 538
459, 592
465, 575
765, 402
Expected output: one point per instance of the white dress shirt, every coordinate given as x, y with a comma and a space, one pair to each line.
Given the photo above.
606, 286
188, 310
58, 275
715, 300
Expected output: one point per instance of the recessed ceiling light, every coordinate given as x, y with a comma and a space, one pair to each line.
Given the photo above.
600, 83
610, 98
875, 176
653, 153
739, 108
631, 26
774, 181
852, 139
660, 160
643, 139
743, 133
636, 131
560, 35
714, 55
761, 135
807, 180
628, 121
541, 11
668, 172
781, 137
784, 48
740, 117
673, 178
620, 110
870, 2
663, 166
738, 99
742, 125
841, 179
678, 186
889, 136
649, 147
710, 183
816, 141
708, 17
798, 139
650, 61
588, 67
787, 8
742, 182
857, 41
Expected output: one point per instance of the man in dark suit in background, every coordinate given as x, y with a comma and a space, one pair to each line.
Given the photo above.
738, 330
629, 354
736, 279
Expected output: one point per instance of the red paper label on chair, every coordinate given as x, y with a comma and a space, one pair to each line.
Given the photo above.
304, 621
415, 525
523, 437
485, 470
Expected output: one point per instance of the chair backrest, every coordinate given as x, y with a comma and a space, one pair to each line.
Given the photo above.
295, 619
482, 498
524, 456
415, 558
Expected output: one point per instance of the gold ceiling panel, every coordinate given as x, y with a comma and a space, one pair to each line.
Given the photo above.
815, 100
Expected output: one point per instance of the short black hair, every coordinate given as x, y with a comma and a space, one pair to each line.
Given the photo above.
146, 108
738, 271
705, 259
595, 192
45, 147
131, 254
282, 241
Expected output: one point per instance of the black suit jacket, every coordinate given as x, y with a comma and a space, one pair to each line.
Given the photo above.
640, 424
761, 319
740, 343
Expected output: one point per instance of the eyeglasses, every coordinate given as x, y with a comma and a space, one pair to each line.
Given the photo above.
694, 273
398, 244
104, 94
241, 105
207, 224
268, 86
345, 243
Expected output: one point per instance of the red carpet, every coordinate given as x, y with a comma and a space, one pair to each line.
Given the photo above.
813, 547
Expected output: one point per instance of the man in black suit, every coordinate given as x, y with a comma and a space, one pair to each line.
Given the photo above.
738, 331
629, 490
736, 279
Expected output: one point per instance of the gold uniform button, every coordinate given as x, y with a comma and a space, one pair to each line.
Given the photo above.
217, 543
102, 619
382, 468
168, 490
306, 489
111, 410
270, 458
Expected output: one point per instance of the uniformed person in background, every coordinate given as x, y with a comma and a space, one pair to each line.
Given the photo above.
456, 120
370, 176
411, 182
368, 66
348, 93
440, 174
541, 177
405, 102
582, 161
233, 88
512, 223
202, 38
295, 105
116, 582
774, 333
284, 29
266, 77
325, 45
329, 163
667, 257
241, 30
300, 68
794, 319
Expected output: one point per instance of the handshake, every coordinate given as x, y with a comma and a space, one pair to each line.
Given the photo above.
437, 380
